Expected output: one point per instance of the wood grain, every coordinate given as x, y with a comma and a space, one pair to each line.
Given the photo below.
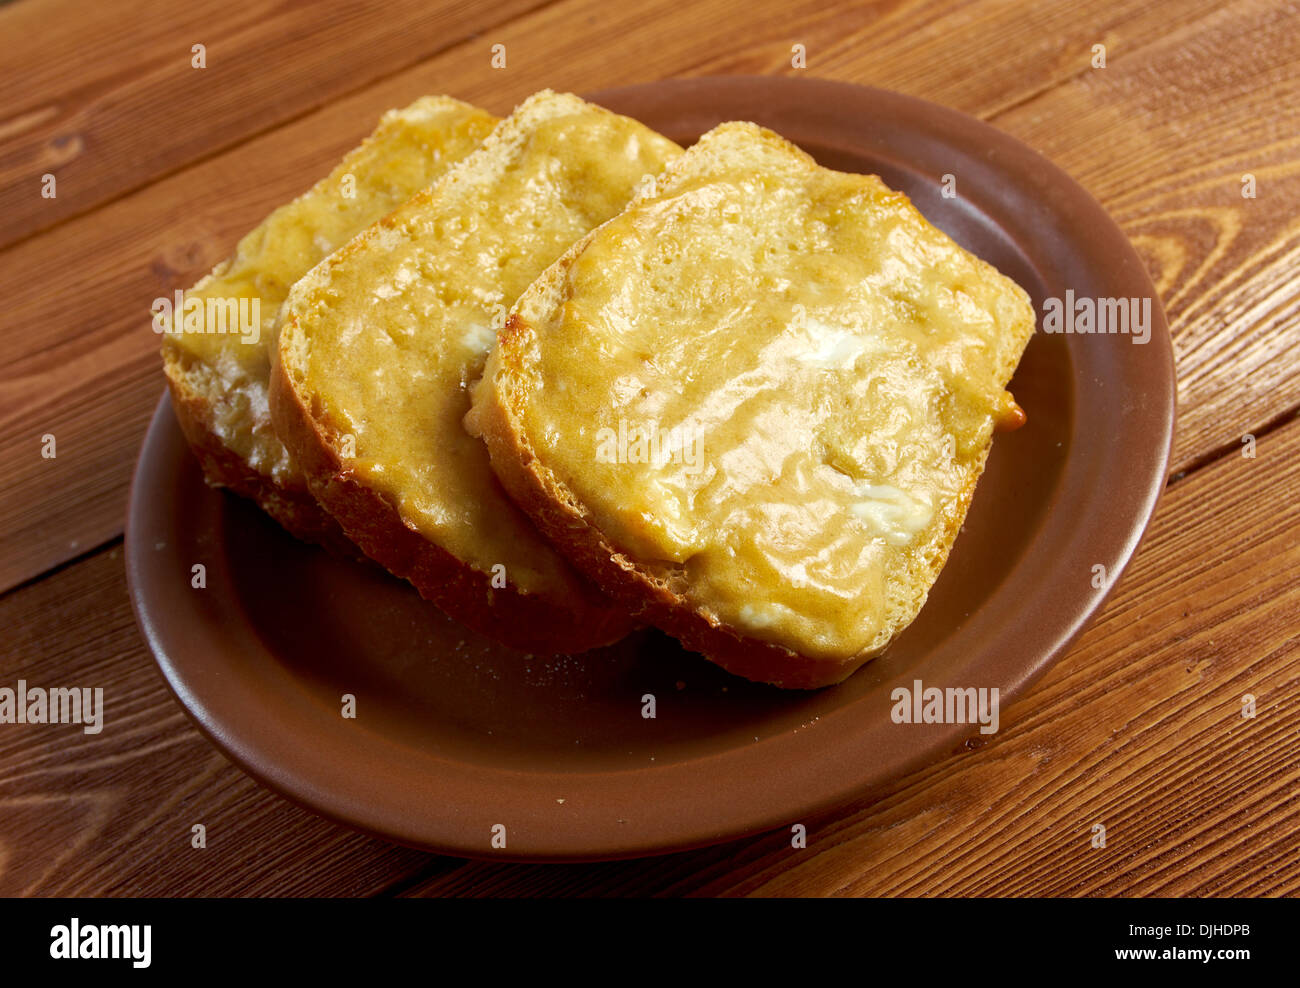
111, 814
77, 355
110, 99
1163, 137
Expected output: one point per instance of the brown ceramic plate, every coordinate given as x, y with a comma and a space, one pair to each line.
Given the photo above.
455, 734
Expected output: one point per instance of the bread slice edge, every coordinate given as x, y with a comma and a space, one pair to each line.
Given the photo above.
526, 621
292, 507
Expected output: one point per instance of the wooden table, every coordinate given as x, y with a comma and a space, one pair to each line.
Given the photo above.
160, 167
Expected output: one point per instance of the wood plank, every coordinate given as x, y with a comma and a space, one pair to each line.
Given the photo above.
1163, 138
111, 814
77, 357
1138, 728
107, 99
981, 58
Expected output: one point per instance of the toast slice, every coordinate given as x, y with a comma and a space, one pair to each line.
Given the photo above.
219, 377
380, 343
795, 387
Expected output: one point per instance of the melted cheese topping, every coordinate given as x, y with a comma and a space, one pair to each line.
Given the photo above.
398, 326
836, 360
408, 150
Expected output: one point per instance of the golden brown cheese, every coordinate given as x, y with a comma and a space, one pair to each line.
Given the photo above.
385, 339
408, 150
770, 385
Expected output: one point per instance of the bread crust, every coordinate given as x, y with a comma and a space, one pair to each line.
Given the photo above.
526, 621
293, 508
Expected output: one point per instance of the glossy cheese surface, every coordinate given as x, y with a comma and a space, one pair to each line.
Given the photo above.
773, 386
392, 331
409, 149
